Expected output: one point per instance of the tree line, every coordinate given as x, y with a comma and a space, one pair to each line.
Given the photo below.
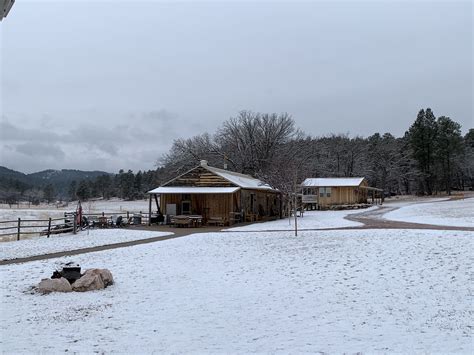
125, 185
431, 157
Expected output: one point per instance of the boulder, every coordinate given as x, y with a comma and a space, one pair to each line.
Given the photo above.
54, 285
105, 274
88, 282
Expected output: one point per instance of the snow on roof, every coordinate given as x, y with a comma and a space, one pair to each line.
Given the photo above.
242, 180
193, 190
315, 182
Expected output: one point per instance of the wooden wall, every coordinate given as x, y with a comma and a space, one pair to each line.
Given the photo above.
265, 204
200, 177
343, 195
206, 205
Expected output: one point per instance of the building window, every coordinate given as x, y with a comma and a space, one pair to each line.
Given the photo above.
186, 207
324, 192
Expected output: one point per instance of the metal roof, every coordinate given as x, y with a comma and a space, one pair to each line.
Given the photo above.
193, 190
242, 180
332, 182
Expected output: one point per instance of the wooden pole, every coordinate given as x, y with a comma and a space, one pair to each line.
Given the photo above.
49, 226
18, 230
295, 209
74, 225
149, 211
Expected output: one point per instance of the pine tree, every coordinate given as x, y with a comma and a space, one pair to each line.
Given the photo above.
72, 190
49, 193
83, 192
449, 146
421, 137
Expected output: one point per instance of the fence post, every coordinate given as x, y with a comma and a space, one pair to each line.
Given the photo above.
49, 226
128, 215
74, 225
18, 231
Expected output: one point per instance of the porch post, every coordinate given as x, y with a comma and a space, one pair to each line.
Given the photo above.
149, 210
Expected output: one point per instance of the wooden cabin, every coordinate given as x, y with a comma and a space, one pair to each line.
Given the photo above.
217, 195
323, 193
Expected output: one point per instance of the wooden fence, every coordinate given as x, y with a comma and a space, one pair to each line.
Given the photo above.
68, 223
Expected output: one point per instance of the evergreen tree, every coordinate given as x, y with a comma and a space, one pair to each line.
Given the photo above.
421, 137
49, 193
468, 166
83, 192
138, 185
449, 146
72, 190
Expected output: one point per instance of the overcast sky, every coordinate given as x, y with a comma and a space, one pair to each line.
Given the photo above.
109, 85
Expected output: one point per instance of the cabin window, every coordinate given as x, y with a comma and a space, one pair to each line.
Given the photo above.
186, 207
324, 192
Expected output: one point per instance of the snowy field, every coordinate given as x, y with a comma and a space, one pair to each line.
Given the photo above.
400, 291
310, 220
44, 211
458, 213
64, 242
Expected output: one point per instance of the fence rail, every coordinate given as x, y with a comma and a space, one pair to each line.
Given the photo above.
69, 223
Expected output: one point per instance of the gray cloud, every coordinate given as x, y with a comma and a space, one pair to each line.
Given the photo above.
40, 150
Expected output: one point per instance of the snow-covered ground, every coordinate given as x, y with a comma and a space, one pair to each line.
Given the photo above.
44, 211
400, 291
445, 213
64, 242
310, 220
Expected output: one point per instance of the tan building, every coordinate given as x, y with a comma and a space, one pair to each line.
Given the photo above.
217, 194
323, 193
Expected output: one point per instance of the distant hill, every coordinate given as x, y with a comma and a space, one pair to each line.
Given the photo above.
64, 176
13, 181
6, 173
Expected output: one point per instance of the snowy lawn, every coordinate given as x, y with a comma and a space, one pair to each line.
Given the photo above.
310, 220
44, 211
365, 290
84, 239
446, 213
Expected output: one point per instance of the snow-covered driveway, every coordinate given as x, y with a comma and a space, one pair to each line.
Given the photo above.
459, 213
332, 291
310, 220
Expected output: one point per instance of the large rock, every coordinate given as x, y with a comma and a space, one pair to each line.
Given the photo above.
88, 282
54, 285
106, 276
93, 279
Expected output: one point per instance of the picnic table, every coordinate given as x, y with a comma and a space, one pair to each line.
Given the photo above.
186, 220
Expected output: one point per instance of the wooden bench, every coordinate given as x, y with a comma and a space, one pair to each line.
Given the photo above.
181, 221
216, 221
